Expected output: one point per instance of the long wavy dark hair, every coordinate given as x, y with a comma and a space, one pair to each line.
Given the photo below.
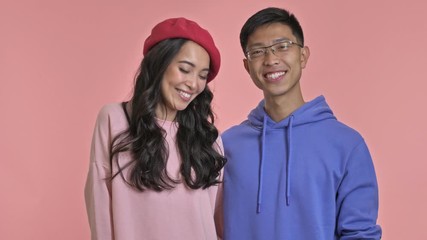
145, 139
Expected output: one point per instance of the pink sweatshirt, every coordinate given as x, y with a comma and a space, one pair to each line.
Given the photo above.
116, 211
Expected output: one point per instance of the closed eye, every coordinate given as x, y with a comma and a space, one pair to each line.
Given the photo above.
203, 77
184, 70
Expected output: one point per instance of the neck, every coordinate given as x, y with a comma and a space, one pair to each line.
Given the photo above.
280, 108
162, 113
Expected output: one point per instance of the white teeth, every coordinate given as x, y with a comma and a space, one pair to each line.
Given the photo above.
184, 94
275, 75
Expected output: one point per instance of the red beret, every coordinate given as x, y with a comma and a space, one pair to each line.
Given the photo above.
184, 28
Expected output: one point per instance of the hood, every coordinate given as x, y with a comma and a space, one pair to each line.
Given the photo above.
313, 111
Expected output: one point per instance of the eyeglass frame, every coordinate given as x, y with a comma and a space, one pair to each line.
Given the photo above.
272, 48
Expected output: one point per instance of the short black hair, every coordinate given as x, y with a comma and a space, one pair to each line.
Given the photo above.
268, 16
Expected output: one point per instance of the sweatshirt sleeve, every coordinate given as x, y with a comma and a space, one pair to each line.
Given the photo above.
97, 188
218, 213
357, 199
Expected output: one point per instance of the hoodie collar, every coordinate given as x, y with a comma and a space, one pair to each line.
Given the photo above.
313, 111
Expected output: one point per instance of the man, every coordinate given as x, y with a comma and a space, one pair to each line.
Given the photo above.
294, 171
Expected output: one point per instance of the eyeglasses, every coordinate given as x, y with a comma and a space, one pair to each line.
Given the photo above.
278, 49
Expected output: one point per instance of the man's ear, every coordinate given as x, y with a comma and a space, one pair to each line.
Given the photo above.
246, 64
305, 54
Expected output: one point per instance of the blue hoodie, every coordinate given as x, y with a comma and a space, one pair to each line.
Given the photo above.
306, 177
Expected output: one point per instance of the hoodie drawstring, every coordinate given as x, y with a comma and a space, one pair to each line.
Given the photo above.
288, 162
261, 167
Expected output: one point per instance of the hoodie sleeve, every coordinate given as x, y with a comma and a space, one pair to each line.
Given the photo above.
357, 199
97, 188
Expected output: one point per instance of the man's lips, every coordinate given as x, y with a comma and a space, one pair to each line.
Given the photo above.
274, 76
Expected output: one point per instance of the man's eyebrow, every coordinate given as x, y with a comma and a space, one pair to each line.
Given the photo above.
281, 40
274, 42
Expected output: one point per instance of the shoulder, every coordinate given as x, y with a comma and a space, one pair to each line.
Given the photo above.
334, 133
235, 130
112, 116
110, 109
344, 131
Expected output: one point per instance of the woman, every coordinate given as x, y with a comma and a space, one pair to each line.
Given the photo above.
155, 160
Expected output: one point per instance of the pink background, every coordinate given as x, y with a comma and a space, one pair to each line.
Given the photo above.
60, 61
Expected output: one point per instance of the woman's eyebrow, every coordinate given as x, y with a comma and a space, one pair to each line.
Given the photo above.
187, 62
192, 64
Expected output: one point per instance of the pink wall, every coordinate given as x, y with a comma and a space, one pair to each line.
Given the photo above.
60, 62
